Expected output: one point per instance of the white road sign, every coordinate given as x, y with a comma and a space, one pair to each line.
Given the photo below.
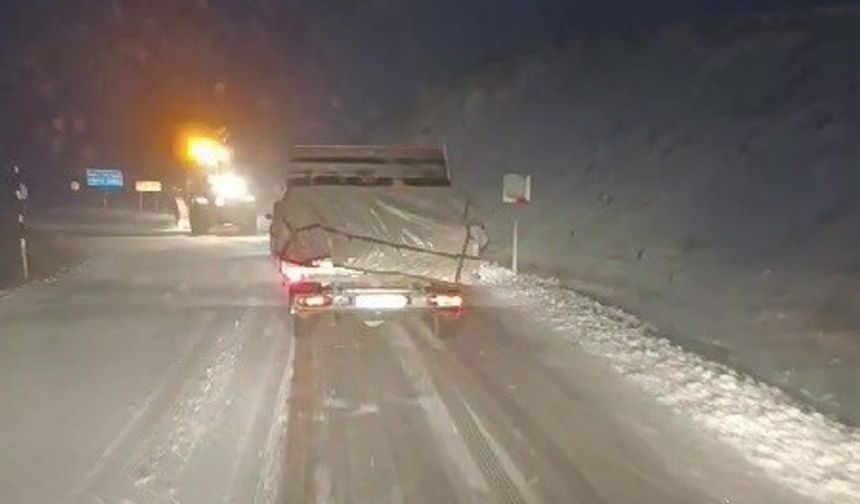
517, 188
147, 186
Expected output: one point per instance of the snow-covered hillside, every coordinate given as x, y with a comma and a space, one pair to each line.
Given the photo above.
705, 178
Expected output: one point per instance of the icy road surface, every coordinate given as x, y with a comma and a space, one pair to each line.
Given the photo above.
164, 370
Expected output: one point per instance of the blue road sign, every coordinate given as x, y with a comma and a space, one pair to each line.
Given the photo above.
104, 179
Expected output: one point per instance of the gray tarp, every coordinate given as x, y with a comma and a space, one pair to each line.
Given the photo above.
415, 230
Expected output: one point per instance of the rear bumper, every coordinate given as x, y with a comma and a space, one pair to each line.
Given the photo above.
370, 301
352, 303
326, 288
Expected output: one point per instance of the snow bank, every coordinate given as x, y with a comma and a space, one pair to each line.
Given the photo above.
811, 454
703, 178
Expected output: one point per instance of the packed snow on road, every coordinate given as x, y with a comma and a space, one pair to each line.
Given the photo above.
164, 370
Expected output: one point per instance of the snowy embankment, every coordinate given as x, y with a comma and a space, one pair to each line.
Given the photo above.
703, 178
807, 452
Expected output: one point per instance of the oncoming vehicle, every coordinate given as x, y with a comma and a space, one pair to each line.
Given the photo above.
373, 232
216, 193
222, 198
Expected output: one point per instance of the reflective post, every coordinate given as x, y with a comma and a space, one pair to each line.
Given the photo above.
516, 190
514, 258
21, 195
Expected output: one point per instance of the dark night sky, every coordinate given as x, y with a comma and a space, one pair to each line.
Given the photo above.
100, 82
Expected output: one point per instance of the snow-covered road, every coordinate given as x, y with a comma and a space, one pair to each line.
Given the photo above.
147, 375
164, 370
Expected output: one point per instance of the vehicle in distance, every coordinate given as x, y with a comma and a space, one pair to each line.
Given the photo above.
371, 232
216, 193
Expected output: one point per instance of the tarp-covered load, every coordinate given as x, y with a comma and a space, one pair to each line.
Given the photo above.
379, 223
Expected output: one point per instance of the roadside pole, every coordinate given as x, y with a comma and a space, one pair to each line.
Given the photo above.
516, 190
516, 247
21, 194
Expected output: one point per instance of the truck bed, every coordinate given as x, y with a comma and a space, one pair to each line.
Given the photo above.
421, 231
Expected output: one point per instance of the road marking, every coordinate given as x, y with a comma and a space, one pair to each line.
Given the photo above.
497, 466
267, 486
461, 465
504, 459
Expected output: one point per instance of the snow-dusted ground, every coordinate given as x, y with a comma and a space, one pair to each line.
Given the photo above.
144, 376
165, 370
811, 454
703, 178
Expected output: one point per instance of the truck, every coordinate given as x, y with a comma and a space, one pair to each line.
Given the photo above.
220, 198
215, 192
373, 232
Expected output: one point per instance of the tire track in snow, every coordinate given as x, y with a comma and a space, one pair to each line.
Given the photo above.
159, 466
460, 464
155, 405
509, 483
299, 443
274, 341
275, 448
